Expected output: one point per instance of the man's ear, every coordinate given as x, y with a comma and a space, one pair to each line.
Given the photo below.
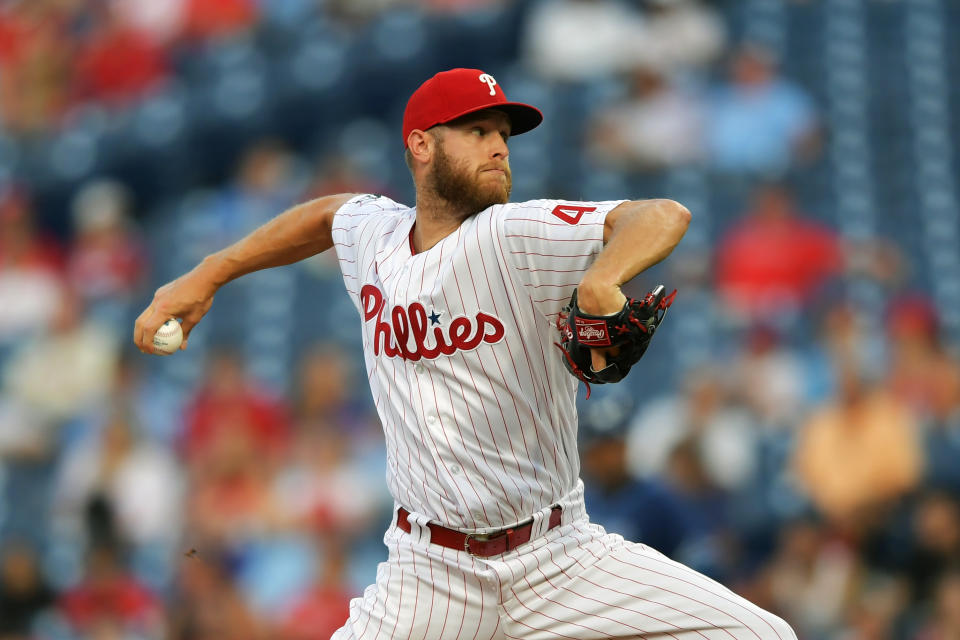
421, 145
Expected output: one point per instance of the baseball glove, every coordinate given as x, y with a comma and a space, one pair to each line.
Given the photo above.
624, 335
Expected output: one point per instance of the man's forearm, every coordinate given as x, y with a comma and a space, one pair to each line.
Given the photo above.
296, 234
643, 235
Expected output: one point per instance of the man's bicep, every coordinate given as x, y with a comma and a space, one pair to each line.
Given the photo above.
615, 214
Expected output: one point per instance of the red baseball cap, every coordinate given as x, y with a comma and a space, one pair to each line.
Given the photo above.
457, 92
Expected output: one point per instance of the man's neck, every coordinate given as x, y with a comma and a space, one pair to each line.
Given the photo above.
436, 219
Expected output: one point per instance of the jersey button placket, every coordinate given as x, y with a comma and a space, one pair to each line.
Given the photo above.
419, 368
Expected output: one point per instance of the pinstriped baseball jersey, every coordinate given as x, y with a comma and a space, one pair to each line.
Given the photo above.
478, 411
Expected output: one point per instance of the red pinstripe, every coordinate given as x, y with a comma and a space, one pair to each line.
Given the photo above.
509, 278
429, 431
702, 588
550, 270
463, 356
473, 424
539, 436
446, 614
566, 285
552, 299
697, 586
567, 606
496, 358
416, 597
476, 633
563, 571
580, 240
554, 224
551, 255
658, 603
423, 428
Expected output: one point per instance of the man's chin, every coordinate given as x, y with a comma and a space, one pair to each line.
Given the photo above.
499, 195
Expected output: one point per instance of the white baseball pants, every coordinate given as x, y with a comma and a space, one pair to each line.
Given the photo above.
575, 581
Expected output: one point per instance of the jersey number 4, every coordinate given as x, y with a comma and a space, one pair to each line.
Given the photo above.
571, 213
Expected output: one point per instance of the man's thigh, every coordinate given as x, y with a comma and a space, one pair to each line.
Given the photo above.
580, 582
424, 591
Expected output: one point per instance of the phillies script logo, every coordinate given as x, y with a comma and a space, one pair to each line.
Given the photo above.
461, 333
592, 332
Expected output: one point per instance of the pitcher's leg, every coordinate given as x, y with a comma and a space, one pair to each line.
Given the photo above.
423, 592
584, 583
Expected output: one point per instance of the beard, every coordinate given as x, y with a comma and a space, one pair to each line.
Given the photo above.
455, 183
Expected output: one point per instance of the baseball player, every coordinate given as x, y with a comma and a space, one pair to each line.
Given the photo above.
460, 299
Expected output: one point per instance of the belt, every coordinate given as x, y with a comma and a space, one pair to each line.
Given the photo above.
480, 544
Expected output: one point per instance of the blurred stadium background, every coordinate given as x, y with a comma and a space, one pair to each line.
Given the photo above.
794, 431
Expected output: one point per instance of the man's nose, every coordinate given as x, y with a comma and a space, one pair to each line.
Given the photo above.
500, 149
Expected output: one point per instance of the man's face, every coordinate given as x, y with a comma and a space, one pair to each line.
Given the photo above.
470, 168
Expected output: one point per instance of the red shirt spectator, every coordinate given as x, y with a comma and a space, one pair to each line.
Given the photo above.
35, 59
323, 608
228, 401
211, 18
118, 63
317, 615
108, 595
107, 259
774, 260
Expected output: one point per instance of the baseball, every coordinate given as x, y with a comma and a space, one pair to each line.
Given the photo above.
168, 337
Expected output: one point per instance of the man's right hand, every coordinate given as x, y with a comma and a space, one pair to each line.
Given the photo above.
188, 297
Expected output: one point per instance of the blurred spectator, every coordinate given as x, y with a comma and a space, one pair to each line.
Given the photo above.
706, 507
110, 602
770, 379
323, 485
656, 126
107, 259
460, 6
23, 436
66, 372
30, 271
268, 179
102, 74
23, 591
680, 34
229, 406
230, 501
724, 435
156, 408
161, 20
773, 261
811, 579
858, 453
36, 51
875, 612
646, 509
921, 370
207, 605
581, 40
944, 621
942, 426
337, 174
758, 122
325, 607
206, 19
355, 13
138, 480
936, 543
